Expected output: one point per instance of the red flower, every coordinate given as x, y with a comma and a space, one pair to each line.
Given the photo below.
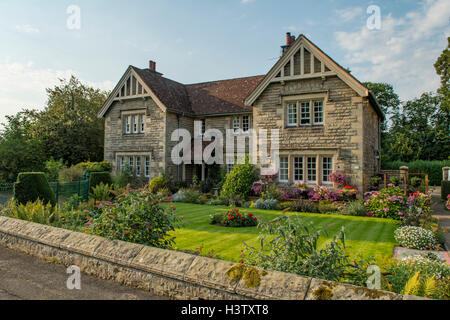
250, 215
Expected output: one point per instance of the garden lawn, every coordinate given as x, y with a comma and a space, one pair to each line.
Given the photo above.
365, 236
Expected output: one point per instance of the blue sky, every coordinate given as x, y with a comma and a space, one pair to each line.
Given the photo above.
202, 40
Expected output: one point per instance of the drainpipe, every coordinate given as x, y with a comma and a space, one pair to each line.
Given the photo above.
179, 166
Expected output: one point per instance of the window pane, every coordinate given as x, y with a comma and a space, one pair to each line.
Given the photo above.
284, 169
291, 114
130, 162
298, 169
135, 123
245, 123
142, 123
305, 113
127, 124
147, 166
318, 112
138, 165
327, 169
312, 170
236, 124
203, 126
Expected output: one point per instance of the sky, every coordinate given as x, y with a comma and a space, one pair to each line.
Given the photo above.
192, 41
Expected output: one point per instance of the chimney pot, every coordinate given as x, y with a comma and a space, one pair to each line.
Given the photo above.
152, 65
288, 38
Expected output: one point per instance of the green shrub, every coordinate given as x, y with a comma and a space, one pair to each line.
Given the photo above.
268, 204
31, 186
386, 203
70, 174
303, 205
233, 200
52, 168
157, 184
137, 217
326, 206
433, 168
89, 167
415, 238
445, 190
289, 245
356, 208
191, 195
102, 192
97, 178
240, 180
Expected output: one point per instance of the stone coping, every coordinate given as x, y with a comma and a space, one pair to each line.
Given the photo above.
174, 274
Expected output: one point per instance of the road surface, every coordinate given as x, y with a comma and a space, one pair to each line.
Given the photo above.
23, 277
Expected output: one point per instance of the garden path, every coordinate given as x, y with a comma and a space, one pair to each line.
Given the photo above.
441, 214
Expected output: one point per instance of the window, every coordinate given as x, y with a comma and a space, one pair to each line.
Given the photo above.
318, 112
245, 123
284, 169
305, 113
134, 124
203, 130
312, 170
291, 115
230, 167
236, 124
327, 169
298, 169
128, 124
142, 123
147, 166
138, 166
121, 163
131, 163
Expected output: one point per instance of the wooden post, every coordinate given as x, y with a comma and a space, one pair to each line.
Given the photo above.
426, 183
385, 180
364, 183
404, 173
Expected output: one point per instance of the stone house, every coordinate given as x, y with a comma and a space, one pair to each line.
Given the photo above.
327, 120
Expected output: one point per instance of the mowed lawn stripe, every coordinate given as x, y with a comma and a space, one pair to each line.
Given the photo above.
365, 236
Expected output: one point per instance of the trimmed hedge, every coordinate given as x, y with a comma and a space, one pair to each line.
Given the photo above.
445, 190
433, 168
89, 167
95, 178
31, 186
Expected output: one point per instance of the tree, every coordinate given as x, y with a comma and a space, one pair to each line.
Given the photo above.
68, 126
442, 67
388, 100
20, 149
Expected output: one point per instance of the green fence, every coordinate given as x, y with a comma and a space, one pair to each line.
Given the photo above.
63, 190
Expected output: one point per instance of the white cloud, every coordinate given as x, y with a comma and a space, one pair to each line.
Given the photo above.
26, 28
23, 87
403, 52
349, 14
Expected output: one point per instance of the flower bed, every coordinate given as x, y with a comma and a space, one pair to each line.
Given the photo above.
235, 219
415, 238
387, 203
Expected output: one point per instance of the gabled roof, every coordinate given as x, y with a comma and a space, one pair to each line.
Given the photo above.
207, 98
328, 67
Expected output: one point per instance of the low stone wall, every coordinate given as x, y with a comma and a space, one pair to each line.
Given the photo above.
169, 273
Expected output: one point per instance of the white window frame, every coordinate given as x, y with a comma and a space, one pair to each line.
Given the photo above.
147, 167
303, 116
284, 169
127, 124
329, 169
131, 162
236, 124
121, 163
310, 170
318, 105
245, 123
290, 107
135, 124
300, 169
142, 126
138, 165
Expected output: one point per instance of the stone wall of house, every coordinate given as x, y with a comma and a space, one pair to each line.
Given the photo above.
342, 132
371, 139
152, 142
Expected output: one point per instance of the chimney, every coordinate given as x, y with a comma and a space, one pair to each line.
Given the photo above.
152, 65
289, 41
